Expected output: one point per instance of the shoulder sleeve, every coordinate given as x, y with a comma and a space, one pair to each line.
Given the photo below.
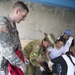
3, 25
4, 32
49, 49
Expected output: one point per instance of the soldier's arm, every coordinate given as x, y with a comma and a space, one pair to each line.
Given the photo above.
6, 47
9, 54
47, 55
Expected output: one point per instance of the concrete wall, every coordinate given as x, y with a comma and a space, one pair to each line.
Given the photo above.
41, 19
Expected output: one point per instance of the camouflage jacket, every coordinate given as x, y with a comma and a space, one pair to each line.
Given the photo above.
9, 41
32, 50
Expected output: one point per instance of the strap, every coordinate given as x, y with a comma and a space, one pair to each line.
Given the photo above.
4, 62
71, 59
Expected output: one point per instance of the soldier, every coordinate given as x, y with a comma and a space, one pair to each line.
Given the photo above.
9, 37
35, 52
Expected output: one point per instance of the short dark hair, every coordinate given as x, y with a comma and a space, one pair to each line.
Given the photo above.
62, 39
22, 5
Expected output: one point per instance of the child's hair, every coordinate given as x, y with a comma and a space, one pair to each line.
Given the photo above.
61, 39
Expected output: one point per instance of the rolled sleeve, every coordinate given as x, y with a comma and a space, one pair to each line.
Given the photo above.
9, 54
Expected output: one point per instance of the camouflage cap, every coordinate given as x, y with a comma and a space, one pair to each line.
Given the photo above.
50, 37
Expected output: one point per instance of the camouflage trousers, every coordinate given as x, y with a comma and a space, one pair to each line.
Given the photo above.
31, 70
2, 73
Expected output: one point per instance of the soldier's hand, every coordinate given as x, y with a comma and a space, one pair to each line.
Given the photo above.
27, 62
42, 69
50, 65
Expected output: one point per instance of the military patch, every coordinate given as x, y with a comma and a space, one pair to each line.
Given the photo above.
4, 29
35, 54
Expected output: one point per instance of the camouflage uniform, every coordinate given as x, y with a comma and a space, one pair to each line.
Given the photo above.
32, 51
9, 41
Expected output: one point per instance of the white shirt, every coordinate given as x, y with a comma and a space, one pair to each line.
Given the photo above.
68, 44
54, 52
71, 67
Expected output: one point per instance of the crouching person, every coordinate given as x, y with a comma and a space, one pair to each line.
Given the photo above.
35, 52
